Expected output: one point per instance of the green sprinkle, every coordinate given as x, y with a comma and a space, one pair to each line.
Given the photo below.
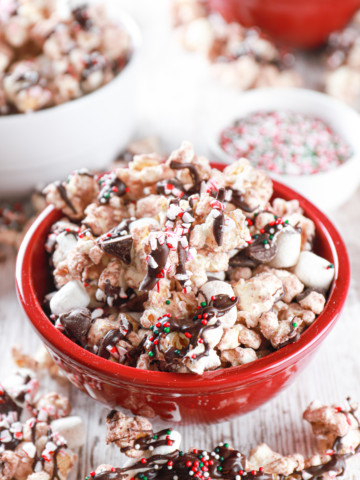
87, 477
271, 237
141, 475
168, 432
151, 354
177, 352
286, 221
155, 437
219, 469
216, 450
181, 454
107, 195
167, 329
144, 478
194, 317
226, 445
203, 304
222, 458
294, 325
156, 332
152, 328
265, 242
167, 302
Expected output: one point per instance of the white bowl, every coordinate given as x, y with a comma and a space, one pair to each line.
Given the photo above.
42, 146
327, 190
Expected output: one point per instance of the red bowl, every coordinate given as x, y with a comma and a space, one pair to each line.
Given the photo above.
301, 23
181, 398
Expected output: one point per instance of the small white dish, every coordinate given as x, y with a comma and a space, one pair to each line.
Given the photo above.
46, 145
328, 190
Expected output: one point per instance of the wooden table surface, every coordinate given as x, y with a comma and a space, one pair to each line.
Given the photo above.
174, 104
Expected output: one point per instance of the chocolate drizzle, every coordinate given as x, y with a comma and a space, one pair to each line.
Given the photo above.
193, 172
224, 464
192, 328
109, 339
237, 199
63, 194
160, 255
218, 228
110, 185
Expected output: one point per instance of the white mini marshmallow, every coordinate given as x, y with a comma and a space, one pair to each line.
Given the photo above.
175, 436
288, 249
217, 287
66, 242
144, 222
72, 295
314, 271
72, 429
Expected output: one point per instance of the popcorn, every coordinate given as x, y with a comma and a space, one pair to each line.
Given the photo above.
31, 446
70, 56
170, 265
159, 454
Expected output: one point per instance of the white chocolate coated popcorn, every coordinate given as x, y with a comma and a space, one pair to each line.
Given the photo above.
172, 265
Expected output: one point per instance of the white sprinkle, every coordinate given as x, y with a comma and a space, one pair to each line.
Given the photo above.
137, 446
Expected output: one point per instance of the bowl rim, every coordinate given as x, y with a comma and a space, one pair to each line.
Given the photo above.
131, 26
186, 383
295, 92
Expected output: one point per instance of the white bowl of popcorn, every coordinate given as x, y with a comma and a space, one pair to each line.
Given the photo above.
74, 118
319, 157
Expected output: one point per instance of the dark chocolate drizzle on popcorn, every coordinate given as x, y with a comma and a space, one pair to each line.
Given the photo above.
110, 185
63, 194
160, 255
193, 329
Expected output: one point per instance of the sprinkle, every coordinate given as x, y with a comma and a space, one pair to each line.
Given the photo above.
143, 461
294, 325
151, 354
167, 302
203, 304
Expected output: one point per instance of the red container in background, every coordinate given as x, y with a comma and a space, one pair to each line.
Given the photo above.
299, 23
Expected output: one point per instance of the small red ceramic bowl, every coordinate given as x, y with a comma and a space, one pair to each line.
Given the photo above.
181, 398
301, 23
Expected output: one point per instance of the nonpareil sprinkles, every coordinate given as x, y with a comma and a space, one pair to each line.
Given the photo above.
285, 142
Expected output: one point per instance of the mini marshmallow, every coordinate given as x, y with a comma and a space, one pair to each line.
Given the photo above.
66, 242
288, 244
175, 436
144, 222
72, 429
314, 271
217, 287
72, 295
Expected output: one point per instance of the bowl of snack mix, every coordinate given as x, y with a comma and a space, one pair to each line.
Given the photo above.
305, 139
181, 289
305, 24
66, 90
